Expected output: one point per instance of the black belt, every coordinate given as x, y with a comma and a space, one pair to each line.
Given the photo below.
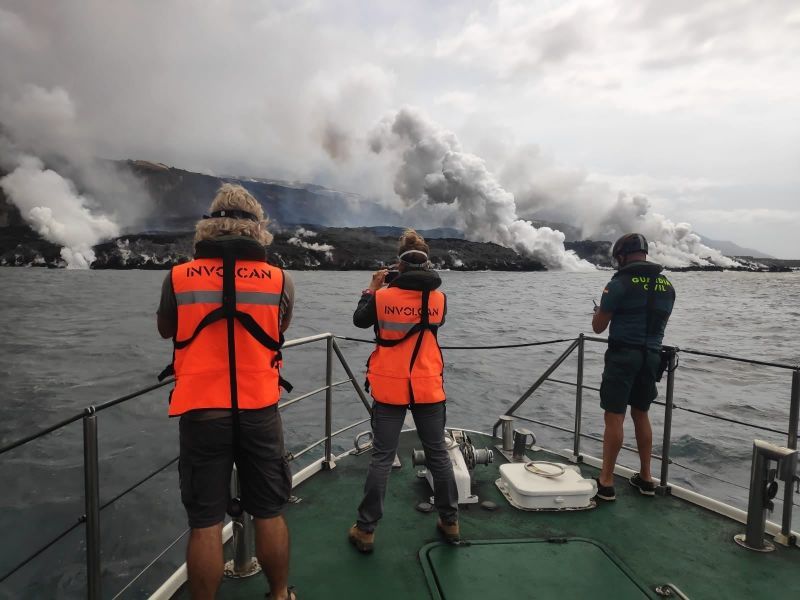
617, 345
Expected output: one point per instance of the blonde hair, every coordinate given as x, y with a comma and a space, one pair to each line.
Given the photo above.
234, 197
411, 240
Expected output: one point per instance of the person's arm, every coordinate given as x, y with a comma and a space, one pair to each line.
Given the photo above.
600, 320
366, 314
167, 315
609, 302
287, 302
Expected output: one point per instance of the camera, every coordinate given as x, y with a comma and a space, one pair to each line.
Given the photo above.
391, 275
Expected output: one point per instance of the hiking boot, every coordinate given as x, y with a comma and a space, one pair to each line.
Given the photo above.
450, 531
605, 492
362, 540
646, 488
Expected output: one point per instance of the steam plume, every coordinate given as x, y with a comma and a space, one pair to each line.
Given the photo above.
41, 125
671, 244
550, 191
433, 170
50, 204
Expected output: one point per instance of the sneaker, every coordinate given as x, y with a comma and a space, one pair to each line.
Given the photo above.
605, 492
646, 488
450, 531
362, 540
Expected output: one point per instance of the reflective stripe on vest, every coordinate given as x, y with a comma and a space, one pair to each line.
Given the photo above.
202, 370
206, 297
392, 377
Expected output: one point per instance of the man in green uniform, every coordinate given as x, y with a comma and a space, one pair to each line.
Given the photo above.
637, 303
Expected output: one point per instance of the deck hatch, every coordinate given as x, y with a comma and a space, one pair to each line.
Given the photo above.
529, 568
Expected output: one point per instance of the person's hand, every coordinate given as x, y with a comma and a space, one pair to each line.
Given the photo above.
377, 279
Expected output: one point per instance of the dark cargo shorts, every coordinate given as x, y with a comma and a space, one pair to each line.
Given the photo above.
629, 380
206, 461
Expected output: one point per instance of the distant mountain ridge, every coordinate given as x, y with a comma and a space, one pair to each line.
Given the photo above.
180, 197
732, 249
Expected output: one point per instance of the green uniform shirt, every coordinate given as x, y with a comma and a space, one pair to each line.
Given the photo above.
625, 297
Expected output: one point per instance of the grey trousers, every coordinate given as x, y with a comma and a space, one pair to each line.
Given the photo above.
387, 422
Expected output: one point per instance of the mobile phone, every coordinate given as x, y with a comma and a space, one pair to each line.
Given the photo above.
391, 275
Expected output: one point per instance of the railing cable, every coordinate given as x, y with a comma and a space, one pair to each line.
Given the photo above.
79, 416
683, 408
151, 563
41, 433
138, 483
133, 395
52, 542
710, 476
728, 419
748, 361
493, 347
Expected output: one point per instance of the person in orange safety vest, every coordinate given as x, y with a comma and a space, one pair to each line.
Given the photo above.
405, 372
226, 312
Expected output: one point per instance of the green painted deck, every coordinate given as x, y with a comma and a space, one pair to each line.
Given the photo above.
653, 541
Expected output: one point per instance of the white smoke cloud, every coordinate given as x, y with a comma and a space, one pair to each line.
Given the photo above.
123, 80
45, 123
50, 204
314, 246
432, 169
42, 123
671, 244
302, 232
600, 209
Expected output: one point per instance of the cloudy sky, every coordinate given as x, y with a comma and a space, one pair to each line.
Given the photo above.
694, 104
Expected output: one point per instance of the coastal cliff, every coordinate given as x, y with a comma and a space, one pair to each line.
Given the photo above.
323, 241
302, 248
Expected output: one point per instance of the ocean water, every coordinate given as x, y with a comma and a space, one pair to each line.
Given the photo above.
70, 339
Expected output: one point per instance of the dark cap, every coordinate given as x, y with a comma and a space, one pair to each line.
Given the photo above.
629, 244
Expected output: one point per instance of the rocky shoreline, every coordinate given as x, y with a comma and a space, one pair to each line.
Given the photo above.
178, 196
307, 248
328, 249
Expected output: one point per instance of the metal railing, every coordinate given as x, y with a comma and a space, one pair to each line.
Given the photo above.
663, 488
92, 506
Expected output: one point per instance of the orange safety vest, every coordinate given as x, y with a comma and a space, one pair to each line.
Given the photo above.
406, 366
202, 363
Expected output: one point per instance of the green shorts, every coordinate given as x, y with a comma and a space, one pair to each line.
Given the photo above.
627, 381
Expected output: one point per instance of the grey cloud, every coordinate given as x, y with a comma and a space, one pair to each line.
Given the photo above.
434, 171
292, 90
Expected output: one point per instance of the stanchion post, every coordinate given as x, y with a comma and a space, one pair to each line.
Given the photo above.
243, 564
91, 480
786, 536
328, 462
663, 488
352, 377
576, 443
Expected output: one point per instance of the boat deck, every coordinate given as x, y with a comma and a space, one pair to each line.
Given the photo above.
622, 549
